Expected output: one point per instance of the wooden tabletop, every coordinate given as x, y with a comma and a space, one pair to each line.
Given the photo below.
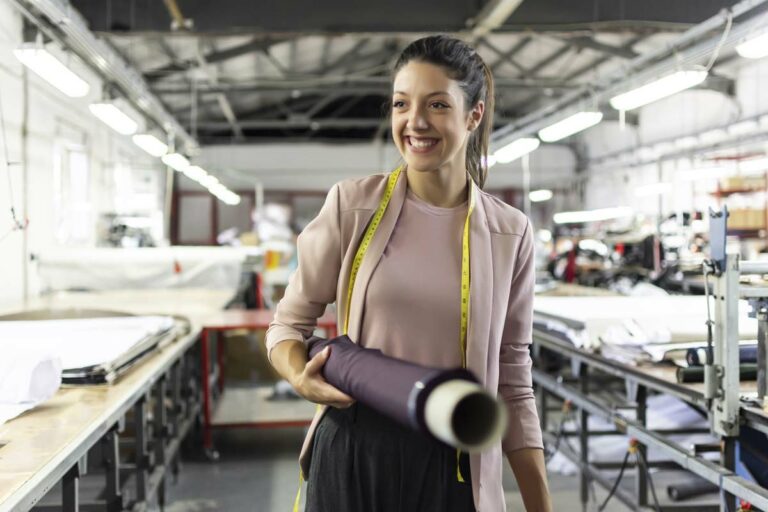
44, 442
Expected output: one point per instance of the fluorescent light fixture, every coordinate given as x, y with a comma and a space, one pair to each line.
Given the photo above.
686, 142
653, 189
754, 47
711, 136
744, 127
592, 215
570, 125
516, 149
230, 198
217, 189
175, 161
538, 196
208, 181
195, 173
661, 88
115, 118
52, 70
150, 144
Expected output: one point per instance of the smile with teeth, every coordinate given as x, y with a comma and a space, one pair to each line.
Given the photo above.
422, 143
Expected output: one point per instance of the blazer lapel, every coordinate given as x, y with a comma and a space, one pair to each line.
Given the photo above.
373, 255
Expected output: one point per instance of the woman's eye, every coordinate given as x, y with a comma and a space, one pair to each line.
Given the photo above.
439, 105
398, 104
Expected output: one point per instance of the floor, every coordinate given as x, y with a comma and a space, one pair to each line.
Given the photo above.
258, 472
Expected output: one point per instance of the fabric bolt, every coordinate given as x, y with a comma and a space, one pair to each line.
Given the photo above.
365, 461
500, 306
396, 388
413, 303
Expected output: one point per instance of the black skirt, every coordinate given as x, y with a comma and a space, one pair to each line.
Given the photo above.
363, 461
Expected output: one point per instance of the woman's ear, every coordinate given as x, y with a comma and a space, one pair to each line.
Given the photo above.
475, 116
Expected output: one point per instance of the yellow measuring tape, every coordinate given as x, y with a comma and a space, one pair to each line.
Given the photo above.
357, 262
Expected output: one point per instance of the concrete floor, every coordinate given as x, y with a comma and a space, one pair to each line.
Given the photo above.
258, 472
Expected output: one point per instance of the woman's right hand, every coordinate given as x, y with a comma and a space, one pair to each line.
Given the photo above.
311, 385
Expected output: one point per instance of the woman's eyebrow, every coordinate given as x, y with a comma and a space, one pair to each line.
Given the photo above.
436, 93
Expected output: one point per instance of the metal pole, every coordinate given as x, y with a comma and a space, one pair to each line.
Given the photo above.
584, 440
641, 484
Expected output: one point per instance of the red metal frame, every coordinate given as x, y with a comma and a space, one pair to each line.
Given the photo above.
227, 321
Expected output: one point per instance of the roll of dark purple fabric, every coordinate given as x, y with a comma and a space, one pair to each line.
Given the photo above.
400, 390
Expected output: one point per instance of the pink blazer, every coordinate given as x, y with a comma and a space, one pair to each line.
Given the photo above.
500, 315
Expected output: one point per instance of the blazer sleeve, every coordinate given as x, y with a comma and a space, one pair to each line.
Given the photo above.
313, 285
515, 381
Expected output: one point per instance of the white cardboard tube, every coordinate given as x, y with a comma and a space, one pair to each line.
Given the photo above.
463, 414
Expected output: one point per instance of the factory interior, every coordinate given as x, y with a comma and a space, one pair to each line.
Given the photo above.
208, 299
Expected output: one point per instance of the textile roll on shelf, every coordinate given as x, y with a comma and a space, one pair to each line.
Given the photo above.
698, 356
448, 405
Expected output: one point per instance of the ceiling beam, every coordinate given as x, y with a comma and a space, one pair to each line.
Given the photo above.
493, 15
607, 49
552, 57
338, 84
506, 57
215, 57
300, 122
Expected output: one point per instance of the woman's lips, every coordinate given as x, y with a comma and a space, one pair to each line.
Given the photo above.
421, 145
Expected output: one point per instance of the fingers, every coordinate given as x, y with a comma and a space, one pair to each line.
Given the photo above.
315, 365
331, 395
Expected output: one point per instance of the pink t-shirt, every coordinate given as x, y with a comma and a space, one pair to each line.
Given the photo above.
412, 307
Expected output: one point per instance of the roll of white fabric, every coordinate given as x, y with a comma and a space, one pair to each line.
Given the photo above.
27, 378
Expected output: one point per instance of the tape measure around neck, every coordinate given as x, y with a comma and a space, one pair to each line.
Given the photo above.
465, 277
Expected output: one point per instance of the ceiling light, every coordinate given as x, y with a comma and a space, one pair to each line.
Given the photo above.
570, 125
217, 189
51, 69
754, 48
208, 181
115, 118
195, 173
592, 215
516, 149
538, 196
175, 161
661, 88
744, 127
230, 198
150, 144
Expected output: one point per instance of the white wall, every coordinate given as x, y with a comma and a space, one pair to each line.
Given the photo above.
54, 122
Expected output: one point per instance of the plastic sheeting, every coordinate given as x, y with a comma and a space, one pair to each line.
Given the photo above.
167, 267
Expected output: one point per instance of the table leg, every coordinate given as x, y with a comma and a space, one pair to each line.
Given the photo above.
220, 360
205, 364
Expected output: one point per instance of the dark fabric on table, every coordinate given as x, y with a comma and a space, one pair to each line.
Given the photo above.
364, 461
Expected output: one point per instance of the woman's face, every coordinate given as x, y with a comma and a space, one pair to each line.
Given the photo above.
430, 124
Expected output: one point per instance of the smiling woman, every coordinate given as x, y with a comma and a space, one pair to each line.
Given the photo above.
417, 246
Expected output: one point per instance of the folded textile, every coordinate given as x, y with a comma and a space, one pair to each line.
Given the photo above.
27, 378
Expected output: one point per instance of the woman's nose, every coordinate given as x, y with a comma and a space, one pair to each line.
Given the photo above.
418, 120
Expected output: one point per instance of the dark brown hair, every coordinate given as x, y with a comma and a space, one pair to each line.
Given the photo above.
463, 64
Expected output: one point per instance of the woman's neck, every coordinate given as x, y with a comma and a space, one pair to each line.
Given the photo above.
442, 188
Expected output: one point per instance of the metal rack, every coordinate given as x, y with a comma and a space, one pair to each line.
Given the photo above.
586, 368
